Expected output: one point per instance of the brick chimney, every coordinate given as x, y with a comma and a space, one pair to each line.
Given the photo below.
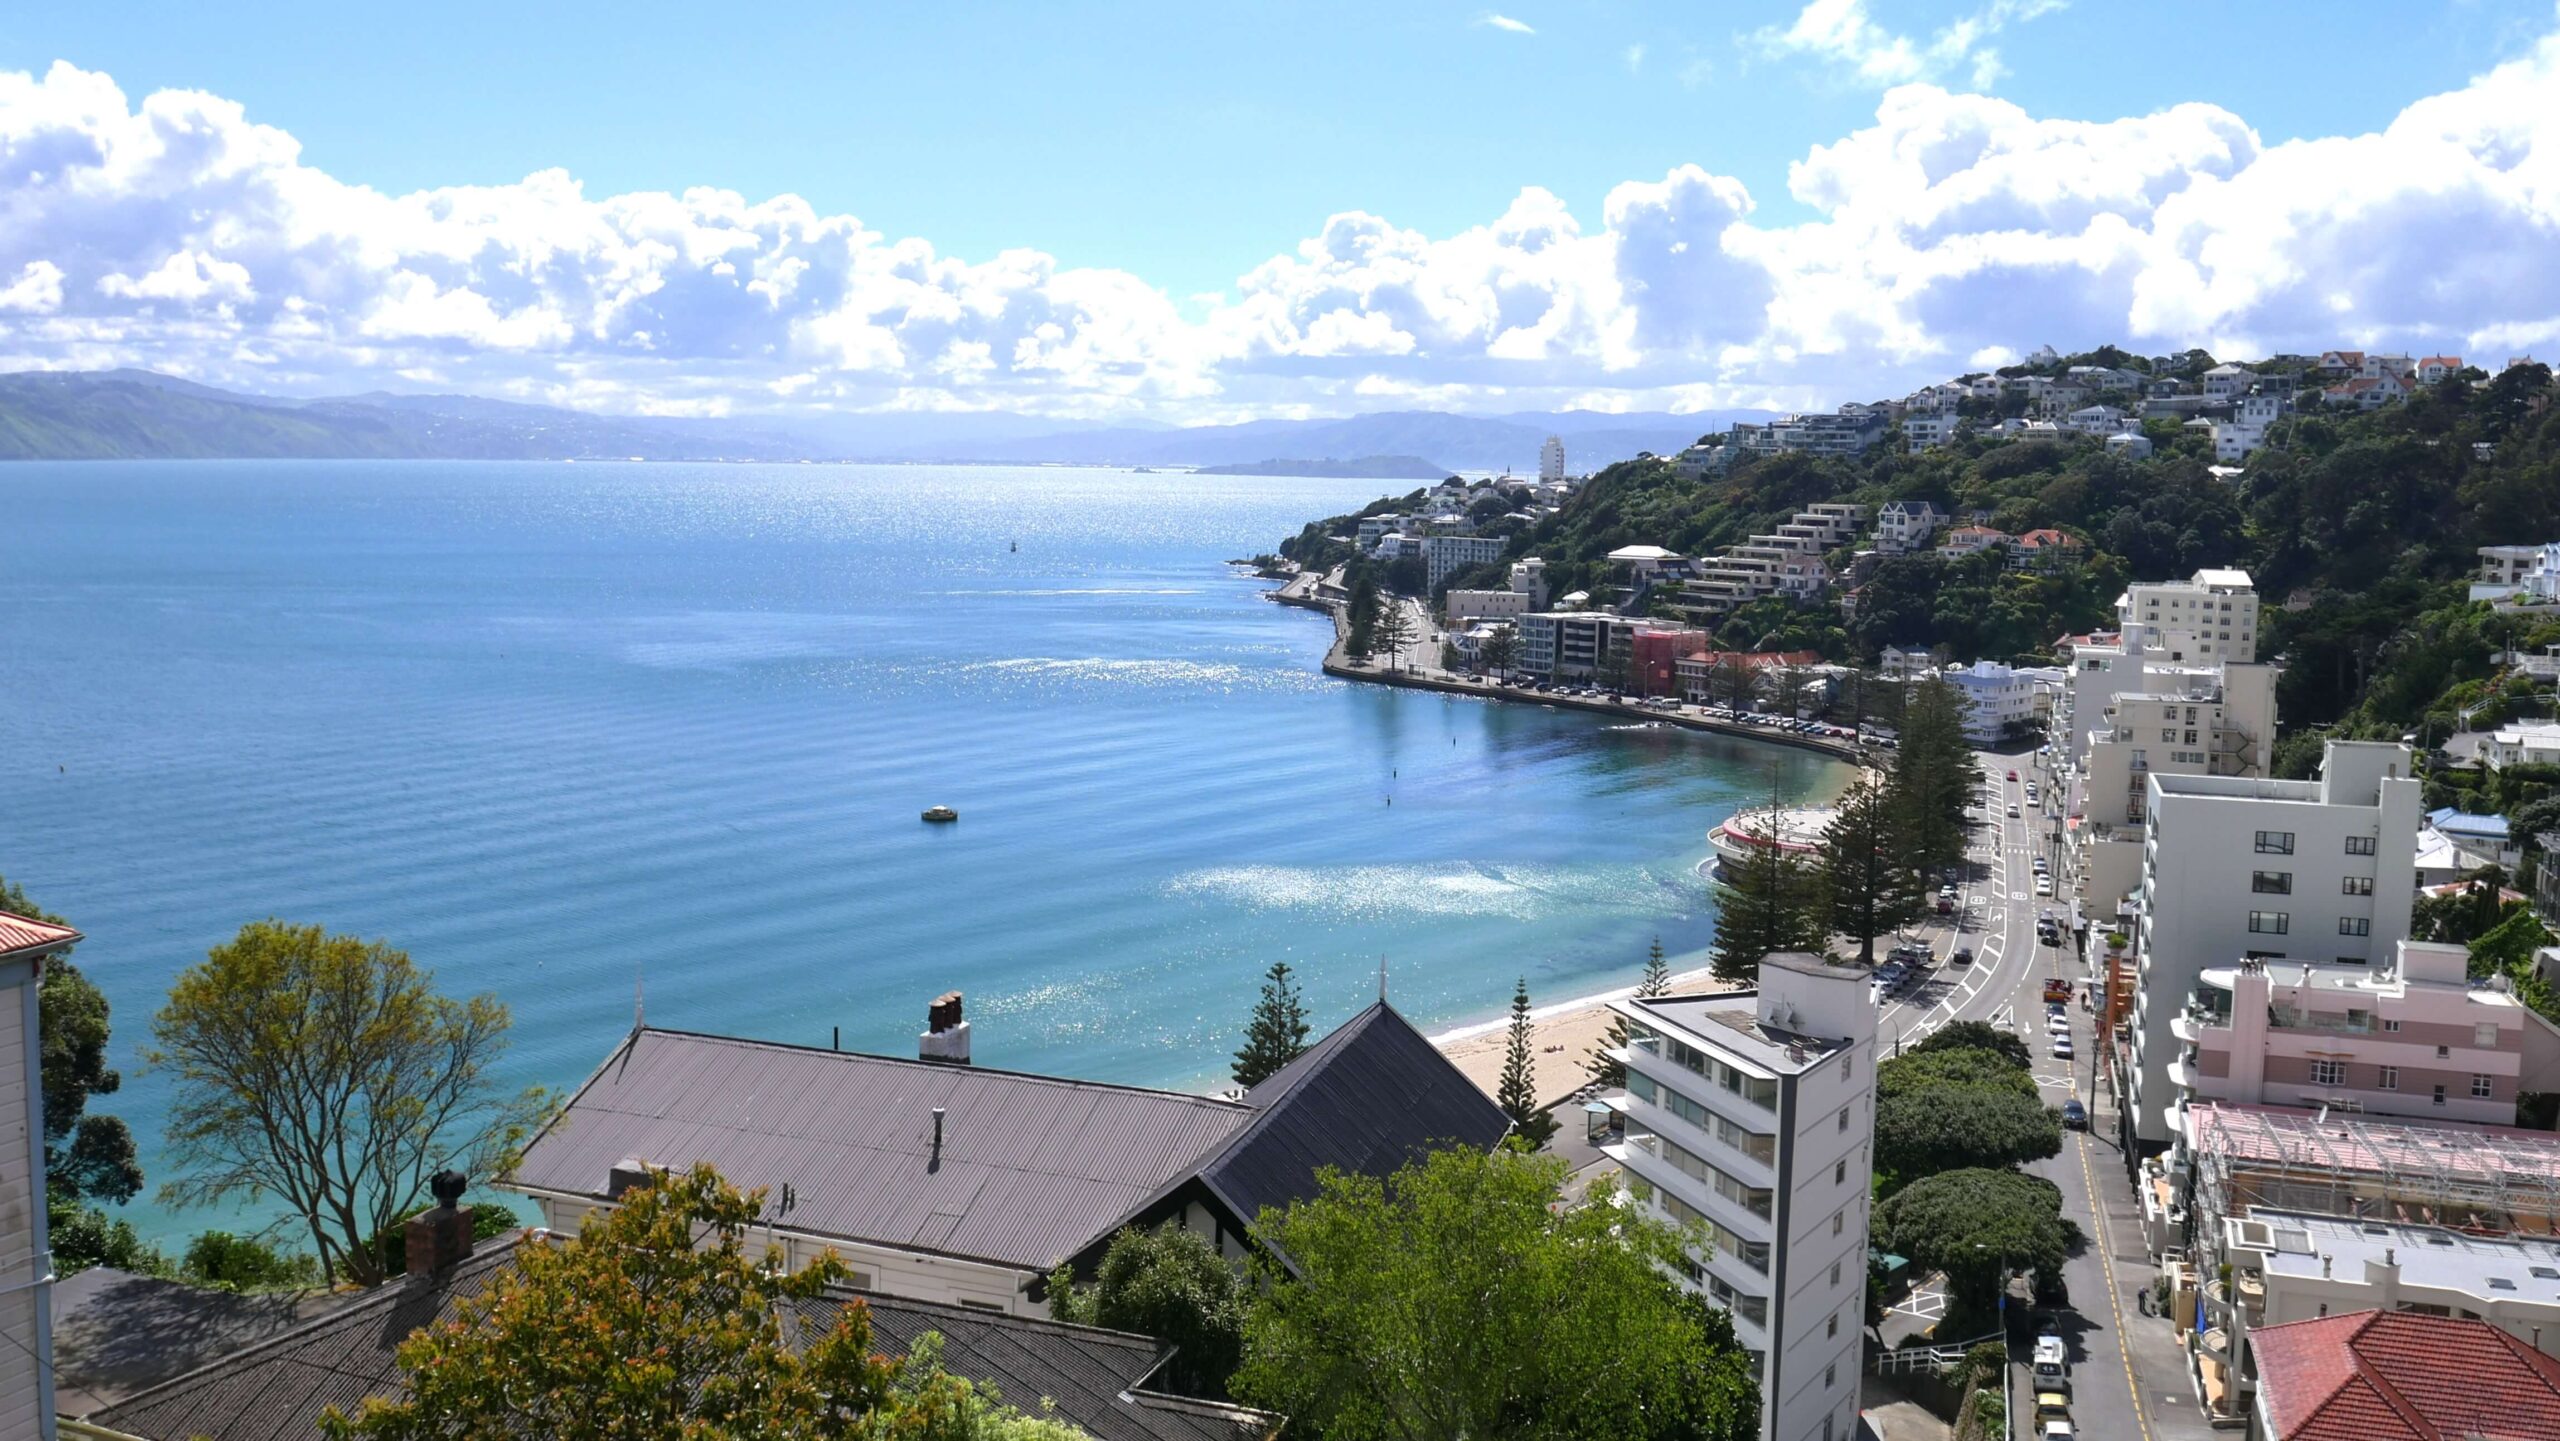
946, 1034
439, 1238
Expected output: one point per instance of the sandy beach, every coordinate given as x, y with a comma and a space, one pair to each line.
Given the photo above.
1565, 1035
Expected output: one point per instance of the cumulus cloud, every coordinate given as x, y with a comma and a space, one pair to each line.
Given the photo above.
1952, 230
1844, 36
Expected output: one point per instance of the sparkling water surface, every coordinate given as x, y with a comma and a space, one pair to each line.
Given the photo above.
562, 731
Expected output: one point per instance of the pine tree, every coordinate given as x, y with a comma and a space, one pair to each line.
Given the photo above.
1867, 884
1765, 904
1605, 1069
1277, 1034
1657, 974
1392, 632
1362, 615
1933, 776
1518, 1093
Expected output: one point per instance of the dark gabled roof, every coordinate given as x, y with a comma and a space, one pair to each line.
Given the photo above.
276, 1390
1030, 1167
1366, 1099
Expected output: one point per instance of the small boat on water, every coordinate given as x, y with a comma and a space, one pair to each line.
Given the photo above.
940, 814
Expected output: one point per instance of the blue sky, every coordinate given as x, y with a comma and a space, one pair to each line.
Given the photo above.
1178, 147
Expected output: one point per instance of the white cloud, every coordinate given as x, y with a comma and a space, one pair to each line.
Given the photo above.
1505, 22
1955, 228
1634, 56
1842, 34
36, 291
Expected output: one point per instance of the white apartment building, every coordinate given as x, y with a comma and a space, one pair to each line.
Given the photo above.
1751, 1114
2208, 618
2529, 574
1375, 528
2300, 1266
1907, 525
1445, 555
1928, 429
1527, 592
1551, 461
1998, 700
2174, 720
1767, 565
2417, 1037
2235, 867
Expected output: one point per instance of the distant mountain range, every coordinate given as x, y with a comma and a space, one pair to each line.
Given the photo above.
138, 414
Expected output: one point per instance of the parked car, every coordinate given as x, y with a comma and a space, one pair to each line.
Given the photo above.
2044, 885
2062, 1048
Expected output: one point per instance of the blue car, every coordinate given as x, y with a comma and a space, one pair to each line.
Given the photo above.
2075, 1115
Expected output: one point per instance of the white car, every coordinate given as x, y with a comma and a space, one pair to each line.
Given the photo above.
2044, 885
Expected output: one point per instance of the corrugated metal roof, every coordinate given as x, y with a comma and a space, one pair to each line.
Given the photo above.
275, 1391
1031, 1167
1365, 1100
19, 933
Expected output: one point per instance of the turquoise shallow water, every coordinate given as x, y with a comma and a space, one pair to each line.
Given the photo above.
558, 728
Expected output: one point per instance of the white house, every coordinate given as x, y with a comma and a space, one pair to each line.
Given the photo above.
2225, 381
2101, 420
26, 1253
1907, 525
2130, 444
1750, 1116
2438, 367
1928, 429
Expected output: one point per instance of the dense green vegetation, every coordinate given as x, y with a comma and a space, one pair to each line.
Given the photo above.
2359, 529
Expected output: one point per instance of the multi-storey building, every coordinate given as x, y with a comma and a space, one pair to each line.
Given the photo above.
26, 1254
2209, 618
1787, 562
2418, 1037
1999, 701
1445, 555
2298, 1266
1750, 1115
1845, 433
1927, 429
2524, 574
2175, 720
2236, 867
1551, 461
1527, 592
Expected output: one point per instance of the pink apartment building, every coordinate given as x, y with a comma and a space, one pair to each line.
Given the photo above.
2414, 1037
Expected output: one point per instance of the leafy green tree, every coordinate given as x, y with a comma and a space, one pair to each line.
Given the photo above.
244, 1263
325, 1071
657, 1320
1924, 1130
87, 1159
1972, 1223
1518, 1092
1919, 1070
1455, 1301
491, 1218
1866, 879
1277, 1032
1169, 1283
1499, 651
1978, 1036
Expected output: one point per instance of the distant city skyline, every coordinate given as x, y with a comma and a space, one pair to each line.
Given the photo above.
1132, 212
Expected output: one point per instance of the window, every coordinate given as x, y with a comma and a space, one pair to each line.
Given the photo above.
1835, 1273
2275, 843
2439, 1095
982, 1306
2485, 1035
2360, 845
2168, 735
2356, 886
1830, 1378
2444, 1053
2271, 883
2328, 1073
2270, 923
1839, 1221
2391, 1023
1839, 1173
1832, 1330
2480, 1086
1844, 1118
2355, 926
1844, 1064
2387, 1078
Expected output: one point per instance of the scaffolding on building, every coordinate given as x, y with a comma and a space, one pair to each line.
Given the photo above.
2491, 1180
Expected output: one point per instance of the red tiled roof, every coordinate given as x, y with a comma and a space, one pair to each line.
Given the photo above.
2450, 361
2400, 1376
2036, 538
17, 933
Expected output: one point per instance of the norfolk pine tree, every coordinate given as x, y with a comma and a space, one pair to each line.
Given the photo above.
1277, 1033
1518, 1093
1604, 1070
1867, 883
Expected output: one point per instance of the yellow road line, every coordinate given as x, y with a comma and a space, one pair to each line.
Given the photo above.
2115, 1298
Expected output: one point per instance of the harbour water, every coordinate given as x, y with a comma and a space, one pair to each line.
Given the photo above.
569, 733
